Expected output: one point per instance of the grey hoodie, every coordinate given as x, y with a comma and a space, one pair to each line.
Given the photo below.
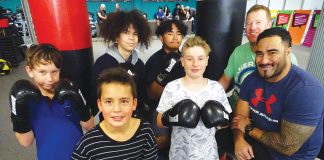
113, 51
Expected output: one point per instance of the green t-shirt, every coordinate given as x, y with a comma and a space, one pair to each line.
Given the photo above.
240, 64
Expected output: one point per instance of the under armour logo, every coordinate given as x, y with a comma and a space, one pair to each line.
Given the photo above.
258, 98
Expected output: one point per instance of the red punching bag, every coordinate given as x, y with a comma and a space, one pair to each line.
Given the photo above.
65, 24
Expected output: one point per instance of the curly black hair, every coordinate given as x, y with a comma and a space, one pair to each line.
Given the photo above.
166, 26
118, 22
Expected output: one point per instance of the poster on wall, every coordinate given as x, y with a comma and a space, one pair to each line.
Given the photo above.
283, 19
298, 25
315, 20
300, 19
309, 37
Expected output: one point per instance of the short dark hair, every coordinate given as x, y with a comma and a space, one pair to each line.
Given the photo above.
276, 31
117, 75
43, 53
117, 22
166, 26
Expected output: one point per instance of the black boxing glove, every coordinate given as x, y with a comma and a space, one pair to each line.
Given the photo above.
20, 94
185, 113
213, 114
67, 90
170, 61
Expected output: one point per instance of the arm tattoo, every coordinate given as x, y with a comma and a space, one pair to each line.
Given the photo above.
289, 139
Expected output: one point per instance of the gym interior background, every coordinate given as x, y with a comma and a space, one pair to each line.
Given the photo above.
10, 149
150, 7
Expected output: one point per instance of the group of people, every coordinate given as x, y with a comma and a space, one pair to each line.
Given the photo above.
169, 108
179, 12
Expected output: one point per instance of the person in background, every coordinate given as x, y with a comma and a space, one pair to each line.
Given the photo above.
159, 16
144, 15
101, 16
190, 13
183, 13
191, 16
167, 12
117, 7
176, 12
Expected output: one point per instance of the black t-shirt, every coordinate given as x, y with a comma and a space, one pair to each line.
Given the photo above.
167, 12
102, 13
176, 12
153, 68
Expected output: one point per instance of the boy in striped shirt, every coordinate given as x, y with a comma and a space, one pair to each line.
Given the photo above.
119, 135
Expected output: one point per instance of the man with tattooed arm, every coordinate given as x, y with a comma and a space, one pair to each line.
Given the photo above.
279, 114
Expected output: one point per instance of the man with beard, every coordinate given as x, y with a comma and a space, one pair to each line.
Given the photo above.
284, 102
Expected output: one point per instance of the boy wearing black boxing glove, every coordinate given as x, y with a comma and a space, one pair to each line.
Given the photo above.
53, 121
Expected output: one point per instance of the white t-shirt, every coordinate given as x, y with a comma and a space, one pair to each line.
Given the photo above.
192, 143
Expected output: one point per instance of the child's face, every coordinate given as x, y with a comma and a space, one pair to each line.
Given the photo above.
116, 104
172, 39
45, 76
194, 61
127, 40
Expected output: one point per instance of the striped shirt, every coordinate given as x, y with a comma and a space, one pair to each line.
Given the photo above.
97, 145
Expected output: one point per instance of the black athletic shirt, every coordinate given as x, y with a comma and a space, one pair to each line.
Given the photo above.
153, 68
